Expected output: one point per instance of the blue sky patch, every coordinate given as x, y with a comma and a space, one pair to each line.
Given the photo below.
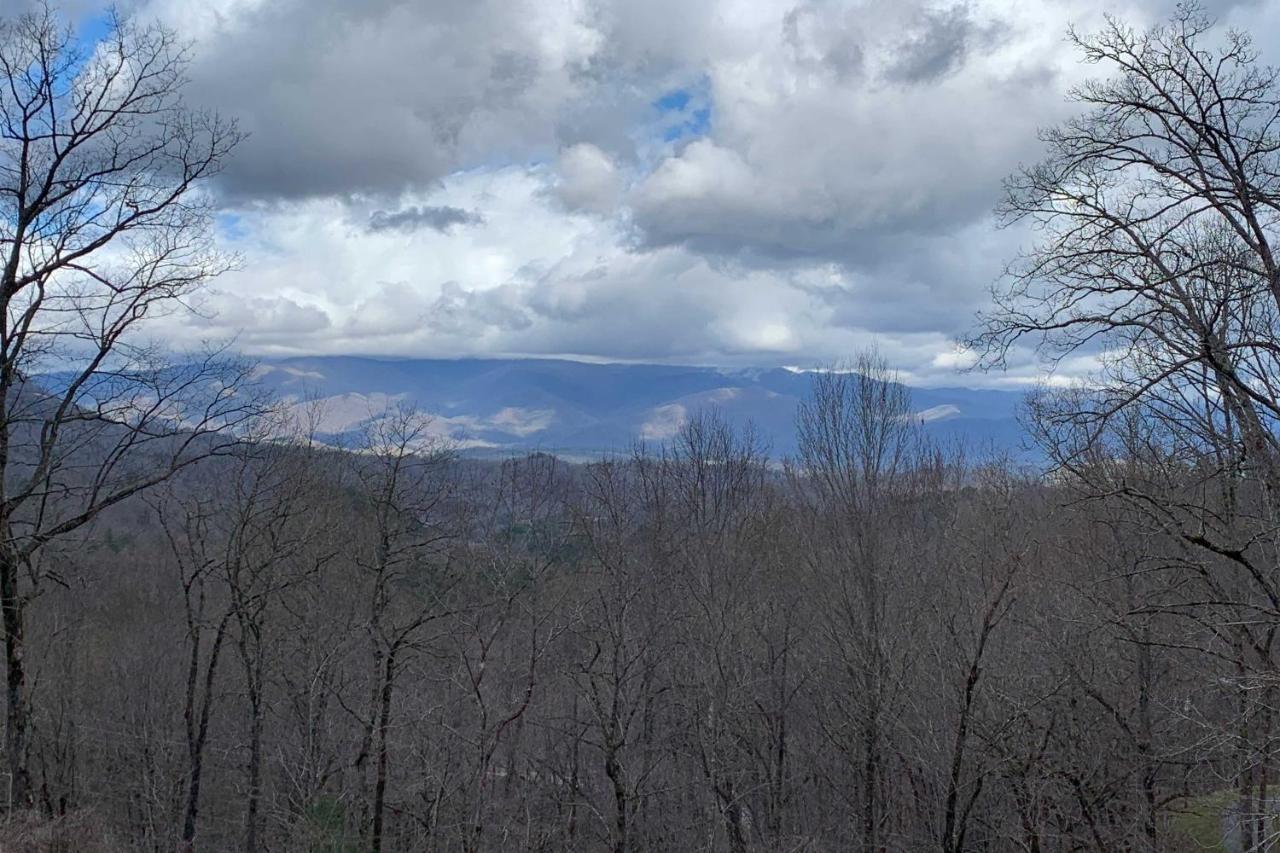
675, 101
232, 227
684, 113
93, 29
88, 31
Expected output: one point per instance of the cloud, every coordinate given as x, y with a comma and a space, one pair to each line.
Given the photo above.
589, 180
262, 317
412, 218
938, 413
664, 422
535, 278
354, 413
939, 44
458, 311
815, 154
380, 96
730, 182
521, 422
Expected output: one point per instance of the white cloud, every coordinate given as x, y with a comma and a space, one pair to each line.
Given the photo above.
938, 413
664, 422
589, 180
522, 422
494, 178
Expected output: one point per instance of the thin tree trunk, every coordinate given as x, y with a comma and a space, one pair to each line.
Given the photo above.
18, 714
1244, 752
734, 822
1264, 762
251, 656
1151, 818
950, 842
871, 774
198, 731
255, 768
779, 770
613, 770
384, 722
871, 725
575, 789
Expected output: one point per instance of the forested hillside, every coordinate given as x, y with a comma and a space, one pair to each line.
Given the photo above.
300, 649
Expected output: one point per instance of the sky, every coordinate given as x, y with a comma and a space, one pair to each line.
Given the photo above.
714, 182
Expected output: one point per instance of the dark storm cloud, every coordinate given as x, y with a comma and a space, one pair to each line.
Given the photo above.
377, 97
413, 218
938, 45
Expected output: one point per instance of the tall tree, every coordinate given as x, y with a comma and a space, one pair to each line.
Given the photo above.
859, 454
1158, 215
103, 225
404, 480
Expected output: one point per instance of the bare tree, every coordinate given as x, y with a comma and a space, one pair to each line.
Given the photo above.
623, 647
105, 224
239, 540
1157, 213
499, 645
859, 452
404, 483
989, 549
720, 523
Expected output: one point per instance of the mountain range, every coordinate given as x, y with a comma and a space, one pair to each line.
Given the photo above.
582, 410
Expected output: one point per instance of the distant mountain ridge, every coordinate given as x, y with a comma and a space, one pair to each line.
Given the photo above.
581, 409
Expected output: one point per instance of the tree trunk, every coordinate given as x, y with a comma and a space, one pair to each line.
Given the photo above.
384, 723
871, 775
18, 714
951, 842
613, 769
1263, 818
735, 822
871, 725
255, 770
251, 656
1244, 749
198, 732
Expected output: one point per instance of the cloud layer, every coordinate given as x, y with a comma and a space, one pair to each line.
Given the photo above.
735, 181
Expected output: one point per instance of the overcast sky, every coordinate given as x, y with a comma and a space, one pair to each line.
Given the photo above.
736, 182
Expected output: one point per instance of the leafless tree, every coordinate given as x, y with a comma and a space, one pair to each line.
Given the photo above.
1156, 211
403, 474
238, 544
622, 652
859, 457
498, 648
721, 521
106, 224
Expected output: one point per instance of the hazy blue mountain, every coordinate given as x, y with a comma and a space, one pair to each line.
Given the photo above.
573, 408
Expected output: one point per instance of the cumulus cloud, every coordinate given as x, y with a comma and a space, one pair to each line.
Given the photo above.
589, 180
813, 157
536, 279
263, 317
735, 181
379, 96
